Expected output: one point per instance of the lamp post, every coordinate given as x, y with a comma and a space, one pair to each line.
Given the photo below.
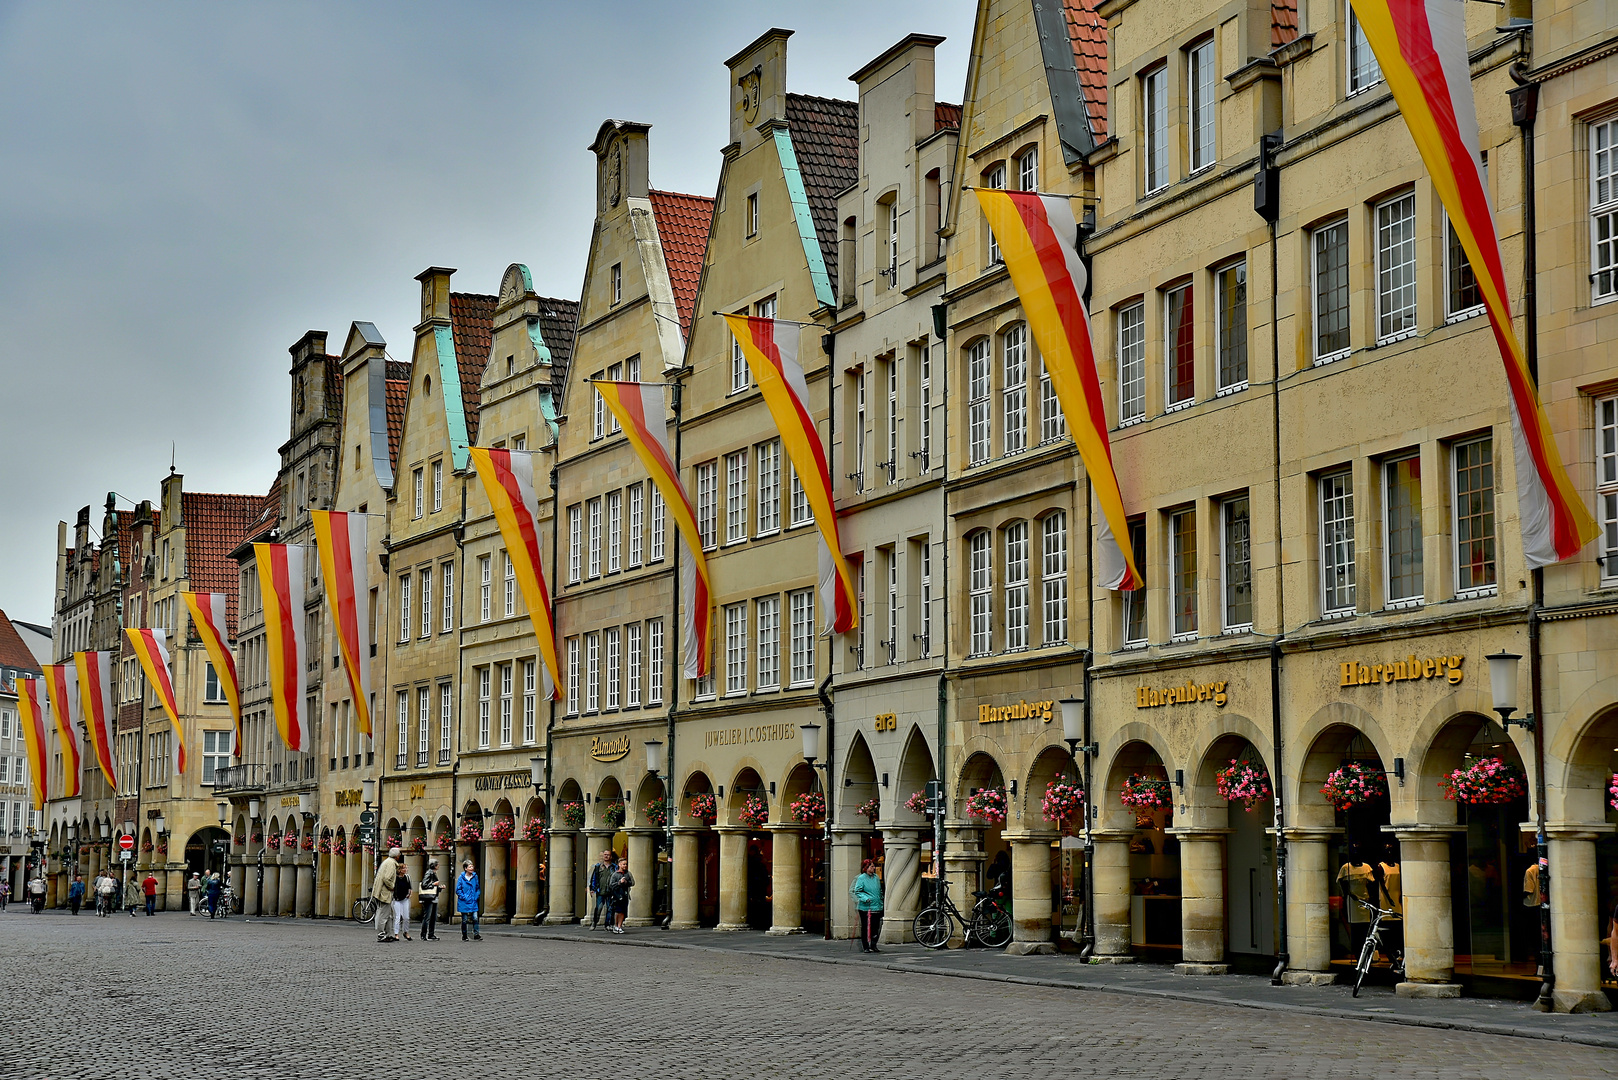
308, 810
222, 846
129, 831
1503, 668
1074, 727
253, 808
73, 846
811, 754
656, 764
536, 776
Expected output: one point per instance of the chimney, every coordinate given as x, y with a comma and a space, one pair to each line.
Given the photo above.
434, 296
758, 87
621, 164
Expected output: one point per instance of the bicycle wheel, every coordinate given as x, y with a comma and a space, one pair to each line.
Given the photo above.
931, 928
364, 909
1367, 954
991, 925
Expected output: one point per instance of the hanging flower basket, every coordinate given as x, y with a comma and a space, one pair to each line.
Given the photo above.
162, 848
471, 831
240, 839
504, 828
755, 812
339, 848
393, 842
987, 804
705, 808
533, 829
869, 809
325, 845
917, 803
308, 842
272, 841
1485, 781
1142, 792
572, 814
1244, 782
258, 837
613, 815
1612, 793
418, 844
446, 842
146, 845
1063, 803
1354, 784
657, 812
809, 808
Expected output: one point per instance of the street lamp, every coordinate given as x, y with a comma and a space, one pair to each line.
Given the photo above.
222, 846
253, 808
656, 764
811, 754
1503, 683
1073, 731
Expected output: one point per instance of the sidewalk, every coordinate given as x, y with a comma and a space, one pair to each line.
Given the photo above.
1375, 1003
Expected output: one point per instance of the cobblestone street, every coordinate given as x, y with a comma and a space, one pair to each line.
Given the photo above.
175, 996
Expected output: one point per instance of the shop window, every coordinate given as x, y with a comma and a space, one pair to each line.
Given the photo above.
1396, 268
1607, 486
1132, 363
1401, 487
1179, 348
1329, 244
1183, 555
1474, 518
1337, 543
1236, 563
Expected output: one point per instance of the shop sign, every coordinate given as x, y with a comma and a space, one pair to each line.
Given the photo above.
1447, 668
502, 781
418, 791
289, 800
886, 722
1022, 710
1150, 697
613, 749
348, 797
755, 733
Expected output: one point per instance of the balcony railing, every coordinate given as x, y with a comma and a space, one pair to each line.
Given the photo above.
238, 778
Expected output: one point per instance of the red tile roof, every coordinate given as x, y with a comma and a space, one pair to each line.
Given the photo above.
1089, 33
826, 139
558, 322
946, 117
1283, 22
471, 319
682, 225
215, 525
398, 389
334, 385
125, 520
14, 653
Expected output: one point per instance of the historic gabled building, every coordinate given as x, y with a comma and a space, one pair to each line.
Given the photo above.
888, 465
614, 575
17, 828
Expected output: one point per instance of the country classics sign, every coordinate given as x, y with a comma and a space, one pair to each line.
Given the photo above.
609, 749
502, 781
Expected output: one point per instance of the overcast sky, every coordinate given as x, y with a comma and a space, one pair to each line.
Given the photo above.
187, 188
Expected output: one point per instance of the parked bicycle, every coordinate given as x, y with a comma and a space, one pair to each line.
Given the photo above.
1373, 943
989, 925
364, 909
228, 904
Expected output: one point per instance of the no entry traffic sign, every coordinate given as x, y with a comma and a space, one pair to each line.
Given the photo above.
126, 843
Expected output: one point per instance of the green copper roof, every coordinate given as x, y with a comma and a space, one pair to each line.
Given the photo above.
800, 210
449, 378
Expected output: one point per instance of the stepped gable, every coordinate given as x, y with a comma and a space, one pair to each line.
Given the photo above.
14, 652
471, 320
826, 139
682, 226
946, 117
1089, 33
215, 526
558, 321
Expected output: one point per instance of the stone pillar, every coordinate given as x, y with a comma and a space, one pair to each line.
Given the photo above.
1429, 925
269, 897
464, 852
732, 877
786, 880
685, 871
1576, 924
303, 896
644, 871
847, 849
1202, 901
289, 885
415, 864
901, 884
963, 865
335, 888
495, 854
324, 862
172, 895
1309, 885
561, 879
1113, 894
527, 881
1030, 893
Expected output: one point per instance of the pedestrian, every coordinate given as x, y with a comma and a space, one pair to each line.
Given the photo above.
36, 893
382, 893
75, 893
5, 893
622, 881
132, 893
193, 892
211, 890
401, 903
600, 881
428, 894
467, 895
106, 888
149, 887
867, 894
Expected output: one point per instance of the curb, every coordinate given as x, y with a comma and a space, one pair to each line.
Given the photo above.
1506, 1030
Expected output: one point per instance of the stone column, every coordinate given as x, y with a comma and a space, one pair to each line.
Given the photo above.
269, 897
1576, 924
685, 871
1309, 885
527, 882
644, 871
732, 877
415, 864
172, 895
303, 896
1113, 894
325, 863
847, 849
358, 885
1030, 893
464, 852
561, 879
786, 880
495, 854
1202, 901
901, 884
336, 887
1429, 924
963, 865
289, 885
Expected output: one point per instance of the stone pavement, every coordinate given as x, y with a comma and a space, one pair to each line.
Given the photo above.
174, 996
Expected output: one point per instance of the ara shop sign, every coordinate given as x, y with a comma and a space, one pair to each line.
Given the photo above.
1020, 710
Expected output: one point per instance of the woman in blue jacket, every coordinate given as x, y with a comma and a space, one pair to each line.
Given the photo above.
467, 895
867, 894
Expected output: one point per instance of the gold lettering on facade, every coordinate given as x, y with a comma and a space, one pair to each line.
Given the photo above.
1150, 697
609, 749
1448, 668
1021, 710
886, 722
418, 791
348, 797
757, 733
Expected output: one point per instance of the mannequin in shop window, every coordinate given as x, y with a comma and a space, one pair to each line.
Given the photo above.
1391, 894
1356, 880
999, 881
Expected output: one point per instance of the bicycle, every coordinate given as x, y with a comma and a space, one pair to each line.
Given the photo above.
990, 923
228, 904
1373, 942
364, 910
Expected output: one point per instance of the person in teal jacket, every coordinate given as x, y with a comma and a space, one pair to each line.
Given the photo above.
867, 894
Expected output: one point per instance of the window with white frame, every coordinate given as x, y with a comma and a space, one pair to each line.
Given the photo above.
1462, 297
890, 211
617, 280
1014, 388
1204, 103
994, 178
924, 443
735, 648
1401, 516
404, 608
708, 504
1396, 268
1132, 363
654, 662
977, 401
924, 551
801, 514
446, 574
1028, 169
801, 606
736, 497
573, 657
1474, 517
506, 688
769, 487
1155, 114
615, 666
615, 373
1052, 424
598, 426
485, 678
416, 484
424, 717
213, 691
1337, 543
529, 697
890, 369
858, 432
1329, 245
890, 557
485, 586
1363, 71
1230, 285
427, 602
633, 662
1053, 577
510, 583
1606, 432
575, 544
615, 531
438, 486
752, 213
658, 527
1179, 347
740, 379
1604, 209
592, 673
446, 701
1016, 585
594, 550
768, 618
1236, 562
215, 755
980, 582
1183, 553
399, 749
637, 524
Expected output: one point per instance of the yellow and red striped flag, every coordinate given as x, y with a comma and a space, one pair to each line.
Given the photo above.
1421, 48
208, 616
1038, 238
96, 709
32, 718
344, 565
771, 348
642, 411
280, 577
508, 480
151, 647
62, 686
